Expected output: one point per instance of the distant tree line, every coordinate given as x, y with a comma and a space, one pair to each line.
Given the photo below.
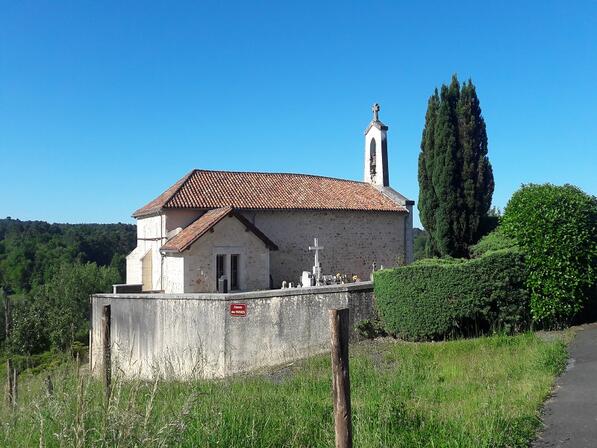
30, 251
48, 272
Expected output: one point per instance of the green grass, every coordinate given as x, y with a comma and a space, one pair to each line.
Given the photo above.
483, 392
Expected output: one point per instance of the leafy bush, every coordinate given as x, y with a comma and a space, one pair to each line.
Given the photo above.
496, 240
57, 313
437, 299
556, 227
30, 323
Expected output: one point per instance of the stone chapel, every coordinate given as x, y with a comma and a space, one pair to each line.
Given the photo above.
255, 228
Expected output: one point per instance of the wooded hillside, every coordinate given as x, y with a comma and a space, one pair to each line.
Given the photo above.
48, 271
31, 251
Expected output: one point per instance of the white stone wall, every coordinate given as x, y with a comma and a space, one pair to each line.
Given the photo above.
179, 219
198, 274
353, 240
156, 336
194, 335
133, 266
174, 273
151, 235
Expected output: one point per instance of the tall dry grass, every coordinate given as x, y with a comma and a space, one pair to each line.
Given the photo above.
483, 392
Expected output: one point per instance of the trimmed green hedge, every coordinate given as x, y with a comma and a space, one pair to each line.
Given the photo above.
496, 240
438, 299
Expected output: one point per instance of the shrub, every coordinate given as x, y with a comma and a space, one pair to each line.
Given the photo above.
437, 299
30, 321
556, 227
496, 240
56, 315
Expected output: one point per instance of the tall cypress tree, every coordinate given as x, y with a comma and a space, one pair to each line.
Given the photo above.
455, 176
478, 183
426, 157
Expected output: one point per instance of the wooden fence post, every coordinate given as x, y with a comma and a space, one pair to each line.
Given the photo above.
90, 356
339, 333
15, 387
7, 314
49, 386
107, 367
10, 376
9, 385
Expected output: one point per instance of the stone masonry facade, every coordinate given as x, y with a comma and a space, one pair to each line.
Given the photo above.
352, 240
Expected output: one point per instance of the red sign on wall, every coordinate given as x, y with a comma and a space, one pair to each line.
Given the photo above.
238, 309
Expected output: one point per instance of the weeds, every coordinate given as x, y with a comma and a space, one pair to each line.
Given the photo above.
483, 392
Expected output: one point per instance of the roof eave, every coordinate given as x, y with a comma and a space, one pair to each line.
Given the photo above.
395, 196
169, 251
160, 201
154, 212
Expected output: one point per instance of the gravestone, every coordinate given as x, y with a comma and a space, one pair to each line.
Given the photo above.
307, 279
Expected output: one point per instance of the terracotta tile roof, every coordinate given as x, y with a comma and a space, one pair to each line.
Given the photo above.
202, 189
206, 222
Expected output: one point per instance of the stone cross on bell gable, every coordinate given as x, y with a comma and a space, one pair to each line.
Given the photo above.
317, 266
375, 108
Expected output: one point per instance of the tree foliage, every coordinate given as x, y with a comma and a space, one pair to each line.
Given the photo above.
56, 314
50, 270
455, 176
30, 251
420, 238
556, 226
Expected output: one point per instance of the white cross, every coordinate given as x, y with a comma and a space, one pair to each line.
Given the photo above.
316, 248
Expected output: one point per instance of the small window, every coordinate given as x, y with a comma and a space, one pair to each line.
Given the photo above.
220, 268
234, 271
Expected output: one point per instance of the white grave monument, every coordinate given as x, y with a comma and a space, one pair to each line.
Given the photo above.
307, 279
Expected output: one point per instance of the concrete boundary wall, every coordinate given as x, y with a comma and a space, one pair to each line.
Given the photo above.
182, 336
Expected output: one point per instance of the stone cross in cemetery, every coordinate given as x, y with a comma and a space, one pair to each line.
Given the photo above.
317, 266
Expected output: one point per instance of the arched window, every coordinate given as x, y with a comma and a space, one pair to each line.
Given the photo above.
372, 158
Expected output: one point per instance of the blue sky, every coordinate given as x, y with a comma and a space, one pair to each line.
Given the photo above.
103, 105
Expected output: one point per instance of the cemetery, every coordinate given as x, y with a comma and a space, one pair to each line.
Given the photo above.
218, 283
211, 335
